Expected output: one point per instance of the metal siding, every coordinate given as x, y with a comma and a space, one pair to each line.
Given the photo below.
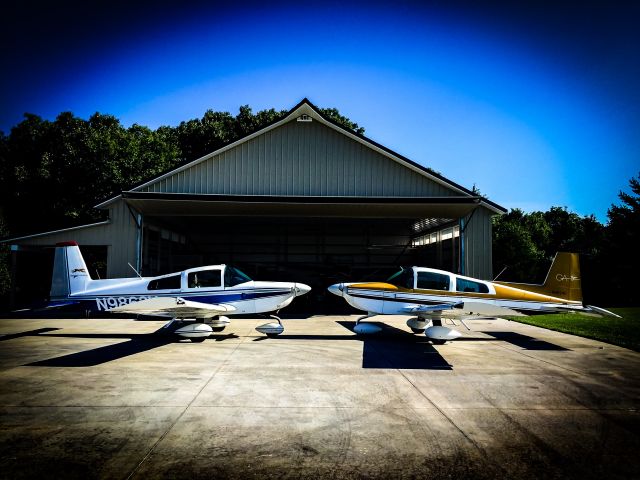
300, 158
119, 235
478, 245
294, 159
122, 239
84, 236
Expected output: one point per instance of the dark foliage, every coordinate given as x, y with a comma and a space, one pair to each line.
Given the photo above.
53, 172
526, 242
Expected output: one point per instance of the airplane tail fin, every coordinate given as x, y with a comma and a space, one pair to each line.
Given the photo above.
564, 279
70, 273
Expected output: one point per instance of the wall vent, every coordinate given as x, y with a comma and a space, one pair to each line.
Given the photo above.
305, 118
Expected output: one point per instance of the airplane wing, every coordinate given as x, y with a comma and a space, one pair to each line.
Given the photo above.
482, 308
473, 308
431, 308
175, 307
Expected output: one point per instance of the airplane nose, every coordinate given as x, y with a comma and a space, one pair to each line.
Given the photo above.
336, 289
301, 289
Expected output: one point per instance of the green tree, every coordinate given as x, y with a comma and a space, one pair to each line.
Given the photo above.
334, 114
515, 246
53, 172
5, 277
622, 257
527, 242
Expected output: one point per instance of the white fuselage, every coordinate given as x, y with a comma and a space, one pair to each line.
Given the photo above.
246, 297
489, 299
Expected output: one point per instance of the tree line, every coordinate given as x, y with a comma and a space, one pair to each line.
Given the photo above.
525, 244
52, 173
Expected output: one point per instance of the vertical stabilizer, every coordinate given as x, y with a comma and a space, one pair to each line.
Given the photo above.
70, 273
564, 279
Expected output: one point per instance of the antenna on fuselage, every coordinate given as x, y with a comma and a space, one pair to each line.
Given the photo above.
132, 268
501, 272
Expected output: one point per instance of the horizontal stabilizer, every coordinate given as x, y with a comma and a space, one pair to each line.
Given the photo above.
588, 309
60, 304
173, 307
602, 311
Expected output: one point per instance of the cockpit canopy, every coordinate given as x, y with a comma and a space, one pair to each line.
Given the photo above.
233, 276
432, 279
203, 277
403, 278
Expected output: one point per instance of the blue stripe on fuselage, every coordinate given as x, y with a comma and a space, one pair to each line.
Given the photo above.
99, 303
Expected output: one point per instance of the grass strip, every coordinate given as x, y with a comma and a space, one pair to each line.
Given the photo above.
624, 331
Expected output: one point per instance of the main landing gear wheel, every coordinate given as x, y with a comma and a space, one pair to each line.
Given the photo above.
198, 339
218, 323
438, 342
417, 325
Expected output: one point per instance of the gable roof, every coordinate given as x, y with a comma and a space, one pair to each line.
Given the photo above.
305, 107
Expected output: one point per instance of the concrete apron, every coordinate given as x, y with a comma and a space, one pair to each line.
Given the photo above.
108, 399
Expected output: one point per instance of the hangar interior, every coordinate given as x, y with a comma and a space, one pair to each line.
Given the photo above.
315, 251
303, 199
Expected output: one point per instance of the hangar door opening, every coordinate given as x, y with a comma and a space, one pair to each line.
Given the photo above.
318, 251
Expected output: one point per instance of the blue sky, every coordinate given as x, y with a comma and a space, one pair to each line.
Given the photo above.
536, 104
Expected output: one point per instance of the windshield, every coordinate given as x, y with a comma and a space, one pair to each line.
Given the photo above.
403, 278
233, 276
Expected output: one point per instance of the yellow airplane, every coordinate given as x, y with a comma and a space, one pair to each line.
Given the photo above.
431, 294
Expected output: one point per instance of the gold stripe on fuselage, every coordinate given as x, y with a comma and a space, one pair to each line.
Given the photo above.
502, 293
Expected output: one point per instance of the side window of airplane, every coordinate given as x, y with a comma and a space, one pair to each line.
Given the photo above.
433, 281
463, 285
205, 278
167, 283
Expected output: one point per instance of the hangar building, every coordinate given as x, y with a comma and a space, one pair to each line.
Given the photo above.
301, 199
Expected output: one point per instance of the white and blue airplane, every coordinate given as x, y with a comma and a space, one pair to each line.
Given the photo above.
197, 300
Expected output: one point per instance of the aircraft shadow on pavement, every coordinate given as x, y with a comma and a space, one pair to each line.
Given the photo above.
396, 348
28, 333
137, 343
391, 348
525, 341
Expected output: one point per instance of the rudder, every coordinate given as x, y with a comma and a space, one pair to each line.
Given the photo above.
70, 273
564, 279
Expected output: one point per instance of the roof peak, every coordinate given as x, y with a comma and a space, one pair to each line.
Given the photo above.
315, 112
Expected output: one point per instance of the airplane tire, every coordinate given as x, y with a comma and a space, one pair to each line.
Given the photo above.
417, 330
272, 335
438, 342
218, 329
198, 339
